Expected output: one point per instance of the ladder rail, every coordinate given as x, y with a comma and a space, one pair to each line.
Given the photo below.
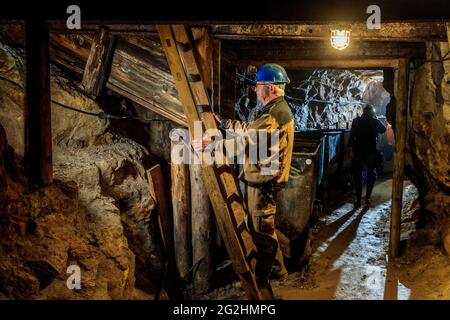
177, 44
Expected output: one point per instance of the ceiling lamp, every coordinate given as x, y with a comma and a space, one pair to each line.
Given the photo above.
340, 39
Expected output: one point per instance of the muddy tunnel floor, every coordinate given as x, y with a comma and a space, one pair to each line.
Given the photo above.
349, 260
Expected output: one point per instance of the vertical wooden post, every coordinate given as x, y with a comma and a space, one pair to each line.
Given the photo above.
201, 214
400, 142
447, 25
221, 182
201, 211
38, 132
181, 207
203, 54
217, 44
157, 191
98, 63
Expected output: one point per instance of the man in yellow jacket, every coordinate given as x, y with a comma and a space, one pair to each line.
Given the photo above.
265, 177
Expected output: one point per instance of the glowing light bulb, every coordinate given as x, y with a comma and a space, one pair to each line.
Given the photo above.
340, 39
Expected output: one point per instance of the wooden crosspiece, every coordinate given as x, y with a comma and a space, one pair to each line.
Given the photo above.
223, 187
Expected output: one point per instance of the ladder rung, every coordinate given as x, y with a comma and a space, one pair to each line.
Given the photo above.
224, 193
234, 198
222, 169
183, 46
251, 254
241, 226
194, 77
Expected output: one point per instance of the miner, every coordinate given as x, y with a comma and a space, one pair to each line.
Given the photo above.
272, 115
363, 144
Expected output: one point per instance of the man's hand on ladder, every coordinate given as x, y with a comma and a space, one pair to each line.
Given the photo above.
201, 145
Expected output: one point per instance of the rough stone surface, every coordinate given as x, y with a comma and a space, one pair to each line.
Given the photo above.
325, 98
110, 190
45, 230
428, 147
69, 128
113, 188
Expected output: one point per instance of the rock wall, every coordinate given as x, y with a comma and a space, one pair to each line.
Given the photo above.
322, 98
45, 230
428, 147
103, 222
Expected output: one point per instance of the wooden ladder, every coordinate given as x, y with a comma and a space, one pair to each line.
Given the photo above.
223, 187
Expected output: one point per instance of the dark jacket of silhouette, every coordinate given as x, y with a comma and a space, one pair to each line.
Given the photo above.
363, 135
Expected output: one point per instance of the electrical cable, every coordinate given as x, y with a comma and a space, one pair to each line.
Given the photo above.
104, 115
101, 115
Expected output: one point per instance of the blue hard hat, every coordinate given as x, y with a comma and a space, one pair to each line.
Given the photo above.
272, 73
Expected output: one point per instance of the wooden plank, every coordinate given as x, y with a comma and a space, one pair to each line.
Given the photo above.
216, 74
202, 226
138, 67
139, 70
70, 51
38, 132
180, 189
228, 88
181, 60
157, 191
168, 113
200, 205
98, 63
317, 64
399, 156
203, 53
390, 31
284, 50
447, 25
130, 28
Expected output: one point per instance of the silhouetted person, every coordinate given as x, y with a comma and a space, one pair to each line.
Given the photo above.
363, 141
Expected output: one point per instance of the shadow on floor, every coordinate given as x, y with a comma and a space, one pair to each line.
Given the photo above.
338, 245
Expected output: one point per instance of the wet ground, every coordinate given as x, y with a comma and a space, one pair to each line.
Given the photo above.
349, 260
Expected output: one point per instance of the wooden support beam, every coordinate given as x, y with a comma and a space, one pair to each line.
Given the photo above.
317, 64
202, 230
227, 88
201, 211
223, 190
38, 132
152, 105
399, 156
287, 50
216, 69
447, 25
98, 63
157, 190
390, 31
130, 28
139, 71
181, 207
203, 54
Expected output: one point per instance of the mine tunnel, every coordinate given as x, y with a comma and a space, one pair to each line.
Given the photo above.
90, 123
